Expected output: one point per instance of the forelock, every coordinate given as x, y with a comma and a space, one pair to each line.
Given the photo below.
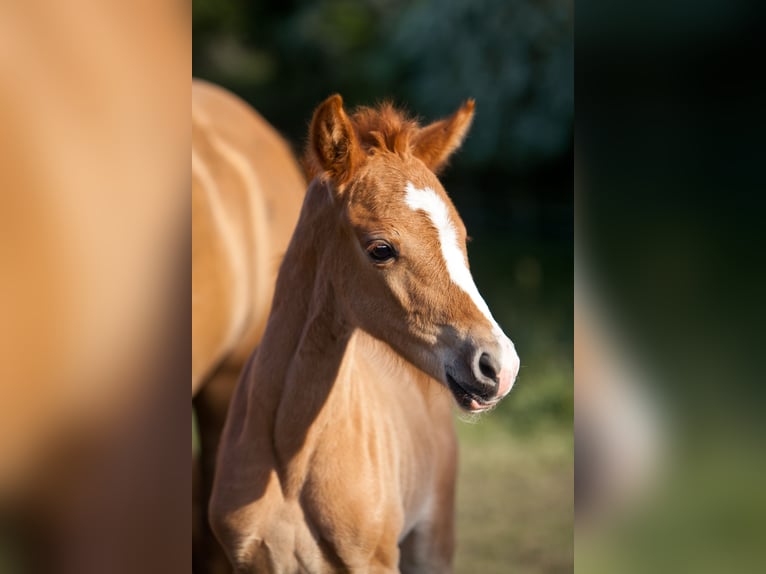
382, 128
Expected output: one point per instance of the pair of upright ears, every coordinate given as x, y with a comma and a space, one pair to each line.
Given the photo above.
335, 146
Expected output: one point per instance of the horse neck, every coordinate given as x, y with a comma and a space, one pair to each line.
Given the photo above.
302, 354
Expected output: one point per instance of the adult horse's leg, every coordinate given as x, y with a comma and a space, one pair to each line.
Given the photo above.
211, 405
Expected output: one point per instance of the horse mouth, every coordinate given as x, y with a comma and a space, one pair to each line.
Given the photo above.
466, 399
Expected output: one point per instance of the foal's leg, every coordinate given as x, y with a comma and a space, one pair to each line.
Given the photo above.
430, 547
211, 404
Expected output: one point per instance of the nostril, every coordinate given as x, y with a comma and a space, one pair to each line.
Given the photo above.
488, 366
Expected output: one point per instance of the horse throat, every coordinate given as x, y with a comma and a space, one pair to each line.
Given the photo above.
305, 354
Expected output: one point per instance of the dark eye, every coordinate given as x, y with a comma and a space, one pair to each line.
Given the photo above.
381, 252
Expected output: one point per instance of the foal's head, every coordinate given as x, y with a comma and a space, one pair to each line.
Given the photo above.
399, 262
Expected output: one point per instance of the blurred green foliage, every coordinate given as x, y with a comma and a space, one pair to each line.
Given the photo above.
514, 56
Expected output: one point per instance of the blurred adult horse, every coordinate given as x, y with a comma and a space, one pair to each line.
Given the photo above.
246, 194
339, 451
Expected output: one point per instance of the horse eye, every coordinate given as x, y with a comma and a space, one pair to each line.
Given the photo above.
381, 252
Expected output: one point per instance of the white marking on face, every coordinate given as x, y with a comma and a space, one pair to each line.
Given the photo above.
428, 200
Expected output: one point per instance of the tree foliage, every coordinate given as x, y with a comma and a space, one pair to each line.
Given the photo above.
514, 56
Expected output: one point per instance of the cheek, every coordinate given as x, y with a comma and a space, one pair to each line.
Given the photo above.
422, 296
370, 295
395, 295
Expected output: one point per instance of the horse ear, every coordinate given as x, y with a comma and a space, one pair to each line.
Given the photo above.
435, 143
333, 144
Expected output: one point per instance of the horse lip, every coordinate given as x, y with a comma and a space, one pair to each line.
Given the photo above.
466, 398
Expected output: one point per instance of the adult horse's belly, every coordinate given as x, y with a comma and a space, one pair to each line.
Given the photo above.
247, 190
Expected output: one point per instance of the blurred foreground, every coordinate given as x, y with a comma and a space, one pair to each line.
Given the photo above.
94, 257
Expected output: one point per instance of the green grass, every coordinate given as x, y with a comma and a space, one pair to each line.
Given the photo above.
515, 499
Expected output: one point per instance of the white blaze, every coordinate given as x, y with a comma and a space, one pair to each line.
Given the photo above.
428, 200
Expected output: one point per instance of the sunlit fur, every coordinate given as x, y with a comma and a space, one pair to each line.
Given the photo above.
339, 452
247, 191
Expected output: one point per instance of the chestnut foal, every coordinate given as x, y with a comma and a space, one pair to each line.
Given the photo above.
339, 451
